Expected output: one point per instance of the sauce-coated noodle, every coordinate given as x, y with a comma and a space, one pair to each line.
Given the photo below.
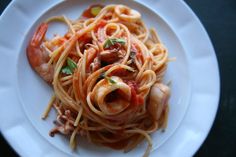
106, 72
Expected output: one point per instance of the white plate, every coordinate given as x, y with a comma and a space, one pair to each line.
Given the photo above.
194, 76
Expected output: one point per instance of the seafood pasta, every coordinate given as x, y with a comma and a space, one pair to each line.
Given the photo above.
107, 73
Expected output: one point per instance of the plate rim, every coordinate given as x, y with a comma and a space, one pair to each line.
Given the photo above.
218, 75
216, 68
8, 8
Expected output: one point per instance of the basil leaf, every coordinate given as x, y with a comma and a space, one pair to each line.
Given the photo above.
95, 11
120, 41
72, 65
110, 42
66, 70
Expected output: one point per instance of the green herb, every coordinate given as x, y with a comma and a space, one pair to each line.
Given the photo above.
71, 66
66, 70
95, 11
110, 42
111, 80
102, 75
121, 41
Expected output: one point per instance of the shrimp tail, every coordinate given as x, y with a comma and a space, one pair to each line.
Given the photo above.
39, 35
38, 58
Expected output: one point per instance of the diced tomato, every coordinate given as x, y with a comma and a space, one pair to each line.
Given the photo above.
135, 99
139, 55
88, 14
140, 100
134, 48
85, 38
100, 24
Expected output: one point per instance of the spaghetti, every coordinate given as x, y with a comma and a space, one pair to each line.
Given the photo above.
106, 72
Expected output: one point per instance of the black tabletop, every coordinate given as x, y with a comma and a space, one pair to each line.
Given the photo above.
219, 19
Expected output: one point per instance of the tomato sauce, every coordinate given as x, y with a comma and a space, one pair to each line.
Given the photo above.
120, 72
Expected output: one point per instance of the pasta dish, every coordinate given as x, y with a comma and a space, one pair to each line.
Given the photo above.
107, 75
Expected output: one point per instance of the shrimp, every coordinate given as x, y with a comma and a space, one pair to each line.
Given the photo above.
38, 57
158, 99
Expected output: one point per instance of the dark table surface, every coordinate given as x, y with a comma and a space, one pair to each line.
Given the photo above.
219, 19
